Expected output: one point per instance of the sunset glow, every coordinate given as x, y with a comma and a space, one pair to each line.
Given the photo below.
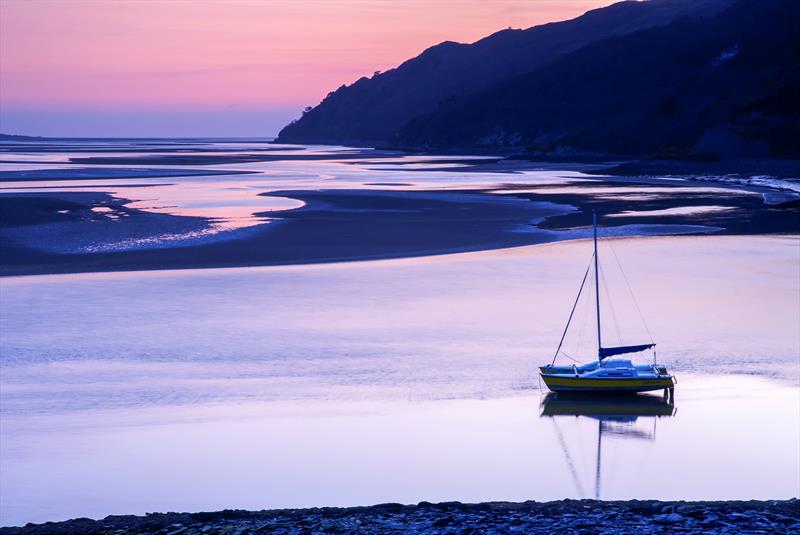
218, 62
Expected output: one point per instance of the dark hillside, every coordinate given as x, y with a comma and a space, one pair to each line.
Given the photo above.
725, 85
372, 110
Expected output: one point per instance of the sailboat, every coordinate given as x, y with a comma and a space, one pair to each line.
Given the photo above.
606, 374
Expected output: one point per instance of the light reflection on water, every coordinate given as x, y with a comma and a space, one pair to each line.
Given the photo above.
616, 416
465, 325
402, 380
722, 443
230, 204
397, 380
232, 201
224, 204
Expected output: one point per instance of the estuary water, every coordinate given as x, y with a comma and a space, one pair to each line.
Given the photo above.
352, 383
127, 196
399, 380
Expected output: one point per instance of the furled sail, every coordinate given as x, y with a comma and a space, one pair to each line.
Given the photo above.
606, 352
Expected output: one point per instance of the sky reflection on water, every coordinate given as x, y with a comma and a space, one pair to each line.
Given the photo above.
400, 380
722, 443
228, 195
232, 201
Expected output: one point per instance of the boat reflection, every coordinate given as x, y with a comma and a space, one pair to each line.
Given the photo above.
616, 415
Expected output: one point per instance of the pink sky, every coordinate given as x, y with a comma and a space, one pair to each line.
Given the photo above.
108, 56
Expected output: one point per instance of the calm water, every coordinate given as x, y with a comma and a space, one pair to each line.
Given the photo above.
400, 380
231, 201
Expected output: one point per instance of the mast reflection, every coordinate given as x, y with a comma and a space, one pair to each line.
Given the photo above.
615, 415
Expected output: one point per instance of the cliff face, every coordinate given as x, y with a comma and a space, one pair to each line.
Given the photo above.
374, 110
726, 85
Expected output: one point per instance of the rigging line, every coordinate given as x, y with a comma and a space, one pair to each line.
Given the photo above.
597, 288
611, 306
566, 328
630, 290
570, 357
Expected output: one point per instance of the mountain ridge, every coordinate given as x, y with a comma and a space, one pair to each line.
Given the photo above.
373, 110
720, 86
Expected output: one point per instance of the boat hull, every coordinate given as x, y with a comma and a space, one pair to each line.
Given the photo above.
590, 384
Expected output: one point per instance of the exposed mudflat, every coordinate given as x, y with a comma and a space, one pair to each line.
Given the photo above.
69, 232
70, 207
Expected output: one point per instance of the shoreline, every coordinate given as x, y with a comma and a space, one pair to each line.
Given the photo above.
48, 232
356, 225
564, 516
50, 269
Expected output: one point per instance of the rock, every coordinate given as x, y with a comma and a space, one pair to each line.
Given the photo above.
693, 513
738, 517
389, 507
671, 518
442, 522
566, 516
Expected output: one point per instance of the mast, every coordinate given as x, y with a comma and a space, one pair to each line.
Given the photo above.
597, 286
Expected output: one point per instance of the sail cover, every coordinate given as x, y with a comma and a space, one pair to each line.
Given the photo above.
606, 352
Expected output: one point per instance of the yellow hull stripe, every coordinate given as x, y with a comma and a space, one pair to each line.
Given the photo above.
607, 383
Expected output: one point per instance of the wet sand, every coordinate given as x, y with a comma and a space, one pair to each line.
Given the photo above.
93, 226
219, 159
333, 226
342, 225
